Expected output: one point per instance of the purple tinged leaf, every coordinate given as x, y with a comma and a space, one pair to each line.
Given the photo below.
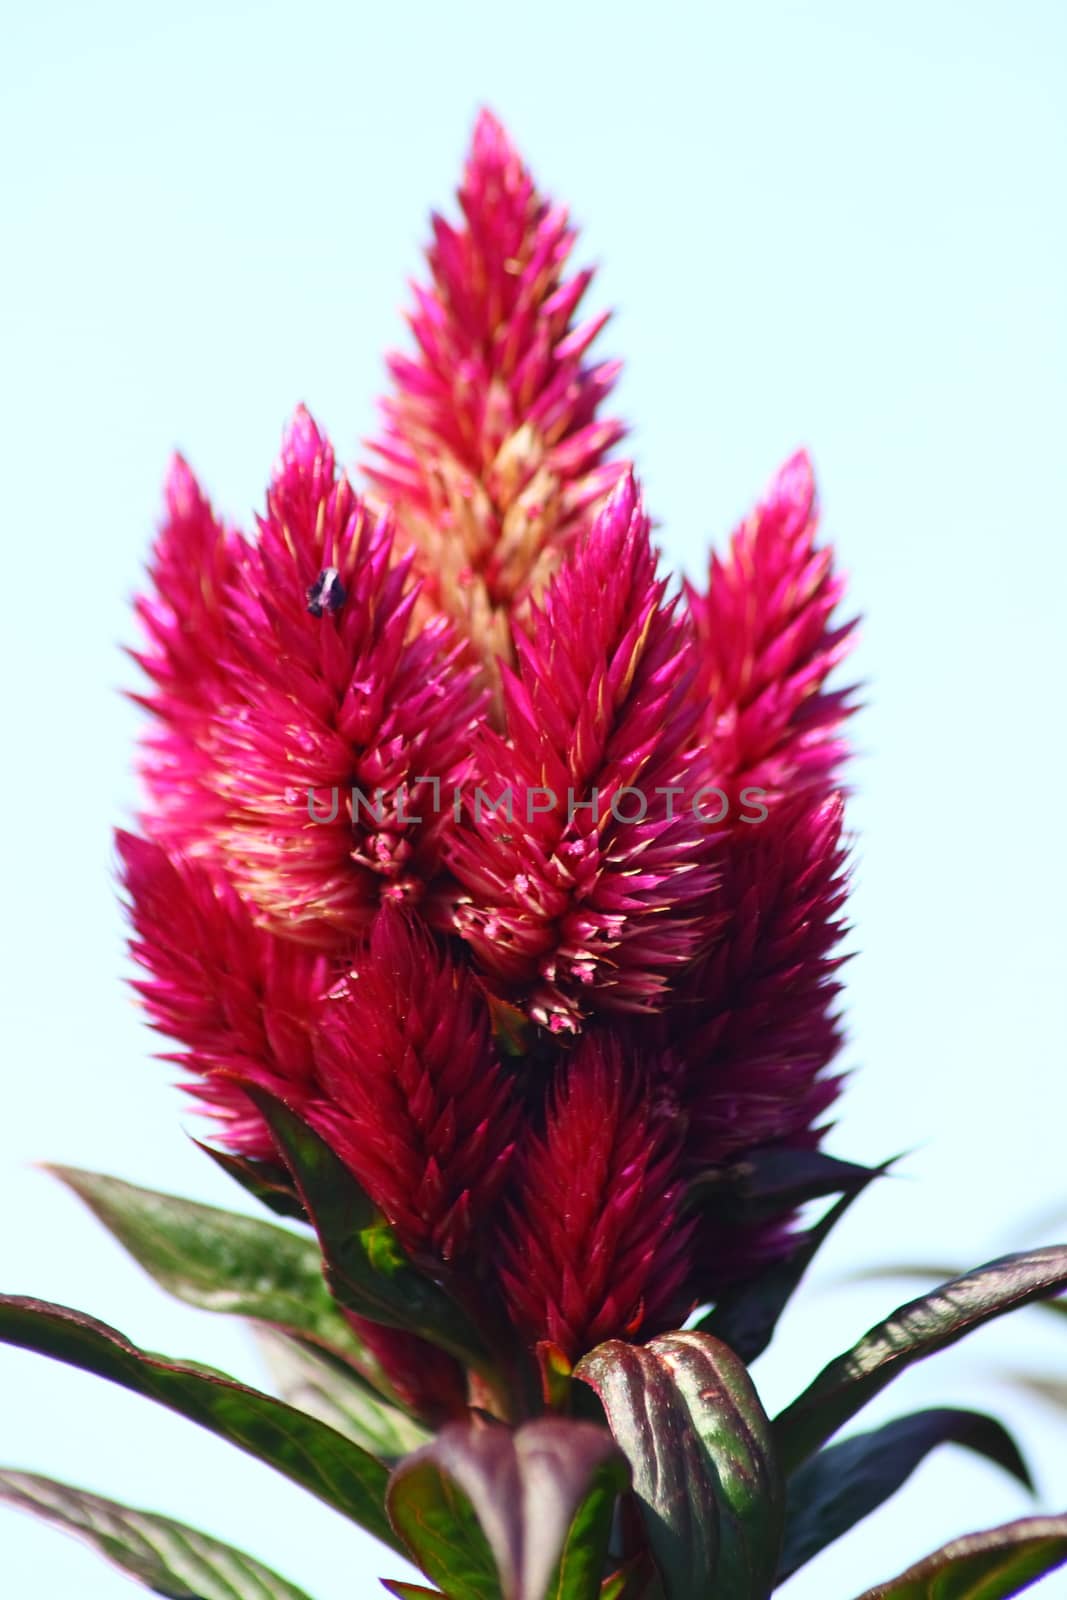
983, 1566
408, 1591
939, 1274
914, 1331
523, 1515
686, 1415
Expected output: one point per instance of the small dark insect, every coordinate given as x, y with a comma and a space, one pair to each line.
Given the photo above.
327, 593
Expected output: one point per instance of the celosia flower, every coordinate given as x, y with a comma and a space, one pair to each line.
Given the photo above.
767, 643
756, 1024
428, 1382
567, 869
191, 571
318, 713
594, 1245
493, 454
583, 893
755, 1018
413, 1096
340, 701
241, 1001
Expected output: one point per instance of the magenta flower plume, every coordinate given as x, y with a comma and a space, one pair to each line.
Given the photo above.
192, 569
419, 900
493, 454
586, 895
593, 1246
242, 1002
429, 1383
767, 642
416, 1101
327, 707
756, 1019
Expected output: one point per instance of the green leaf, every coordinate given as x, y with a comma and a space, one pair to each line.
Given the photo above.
774, 1179
495, 1514
327, 1390
166, 1556
841, 1485
304, 1449
983, 1566
218, 1260
365, 1266
913, 1332
265, 1181
745, 1318
687, 1417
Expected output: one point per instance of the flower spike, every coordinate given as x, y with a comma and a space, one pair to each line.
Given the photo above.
594, 1246
415, 1101
241, 1002
341, 710
767, 641
493, 452
585, 895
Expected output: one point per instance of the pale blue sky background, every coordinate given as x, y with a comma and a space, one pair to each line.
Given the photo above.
824, 223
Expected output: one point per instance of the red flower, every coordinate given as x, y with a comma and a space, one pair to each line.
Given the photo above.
585, 895
593, 1246
414, 1098
756, 1019
319, 712
242, 1002
493, 454
767, 642
320, 913
193, 567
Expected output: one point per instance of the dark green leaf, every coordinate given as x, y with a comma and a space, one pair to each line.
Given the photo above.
492, 1514
365, 1266
218, 1260
165, 1556
304, 1449
333, 1393
983, 1566
772, 1180
685, 1413
745, 1318
841, 1485
913, 1332
265, 1181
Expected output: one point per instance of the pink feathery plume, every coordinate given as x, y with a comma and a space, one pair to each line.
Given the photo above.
493, 452
583, 888
334, 709
756, 1024
593, 1245
415, 1101
767, 642
756, 1021
242, 1003
193, 566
